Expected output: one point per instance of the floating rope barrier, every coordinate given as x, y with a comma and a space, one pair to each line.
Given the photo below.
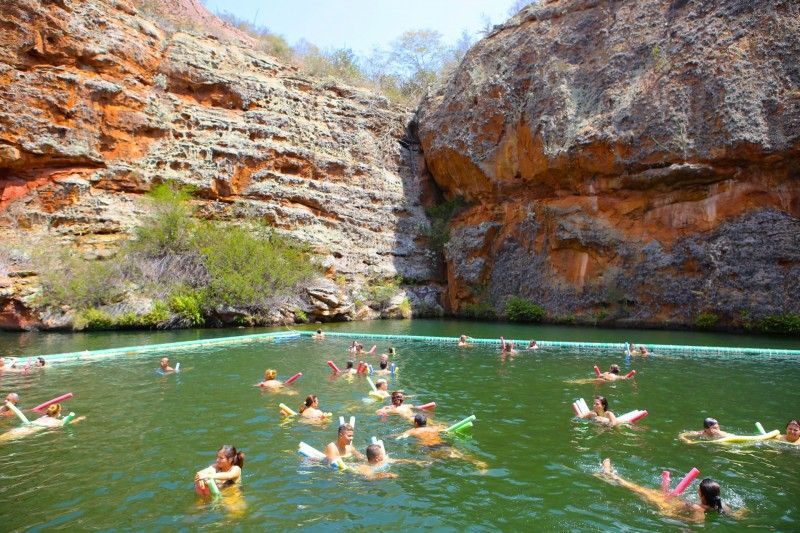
289, 335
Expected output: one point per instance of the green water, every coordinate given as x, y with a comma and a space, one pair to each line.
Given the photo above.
130, 465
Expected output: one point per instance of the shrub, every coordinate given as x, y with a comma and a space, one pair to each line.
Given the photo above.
405, 308
706, 320
301, 316
94, 319
79, 283
157, 316
246, 268
129, 320
482, 310
441, 215
784, 324
380, 293
188, 305
170, 227
522, 310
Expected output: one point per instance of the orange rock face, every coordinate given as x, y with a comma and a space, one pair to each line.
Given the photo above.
627, 161
98, 104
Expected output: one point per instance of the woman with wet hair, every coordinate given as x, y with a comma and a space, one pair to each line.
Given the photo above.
600, 412
792, 435
309, 409
226, 471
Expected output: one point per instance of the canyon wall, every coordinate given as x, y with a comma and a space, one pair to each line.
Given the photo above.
625, 162
98, 104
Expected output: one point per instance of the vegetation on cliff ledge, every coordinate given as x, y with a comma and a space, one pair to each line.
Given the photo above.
180, 270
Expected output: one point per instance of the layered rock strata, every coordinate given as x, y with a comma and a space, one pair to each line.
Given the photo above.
628, 161
98, 104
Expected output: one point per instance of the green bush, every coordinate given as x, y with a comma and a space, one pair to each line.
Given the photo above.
301, 316
482, 310
522, 310
93, 319
78, 283
157, 316
405, 308
188, 305
379, 293
170, 227
706, 320
784, 324
129, 320
246, 267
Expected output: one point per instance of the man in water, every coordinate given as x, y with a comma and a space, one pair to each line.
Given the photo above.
382, 387
711, 431
378, 463
343, 445
397, 407
430, 436
164, 366
11, 398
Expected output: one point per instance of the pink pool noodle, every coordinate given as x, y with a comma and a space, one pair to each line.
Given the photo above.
334, 367
597, 371
630, 374
51, 402
428, 406
293, 378
638, 417
685, 482
665, 481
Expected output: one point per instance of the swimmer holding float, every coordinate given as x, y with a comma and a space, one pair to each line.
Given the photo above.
226, 471
398, 408
272, 384
310, 412
713, 434
600, 413
667, 502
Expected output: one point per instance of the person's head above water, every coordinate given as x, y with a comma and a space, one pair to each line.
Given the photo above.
384, 364
463, 338
227, 456
420, 420
709, 423
54, 411
601, 400
397, 398
345, 433
793, 430
311, 401
614, 369
270, 374
709, 494
374, 454
350, 365
12, 397
164, 362
381, 384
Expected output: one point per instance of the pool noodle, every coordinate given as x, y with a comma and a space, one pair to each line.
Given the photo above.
334, 367
341, 420
177, 367
286, 410
17, 412
428, 406
310, 452
632, 416
339, 463
665, 481
583, 406
48, 403
353, 422
379, 443
463, 427
371, 384
597, 372
369, 369
576, 409
685, 482
293, 378
393, 368
457, 425
376, 395
212, 487
746, 438
68, 419
630, 374
760, 428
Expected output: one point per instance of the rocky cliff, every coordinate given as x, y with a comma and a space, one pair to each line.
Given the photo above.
635, 162
98, 104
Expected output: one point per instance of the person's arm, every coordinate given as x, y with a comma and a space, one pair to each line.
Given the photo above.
232, 474
686, 436
332, 452
357, 454
205, 473
612, 419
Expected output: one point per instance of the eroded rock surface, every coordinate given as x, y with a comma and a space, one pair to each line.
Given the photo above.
98, 104
635, 161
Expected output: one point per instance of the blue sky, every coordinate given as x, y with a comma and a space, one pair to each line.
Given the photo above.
364, 24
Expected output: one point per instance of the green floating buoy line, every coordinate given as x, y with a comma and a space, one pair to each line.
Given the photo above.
618, 347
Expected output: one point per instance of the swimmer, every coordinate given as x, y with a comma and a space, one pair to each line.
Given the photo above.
391, 353
397, 407
462, 342
318, 335
600, 412
532, 345
164, 367
12, 398
343, 445
39, 363
384, 369
643, 351
382, 387
507, 347
50, 420
377, 463
353, 347
226, 471
272, 384
792, 432
612, 374
360, 349
709, 492
430, 435
309, 409
711, 431
10, 365
349, 369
